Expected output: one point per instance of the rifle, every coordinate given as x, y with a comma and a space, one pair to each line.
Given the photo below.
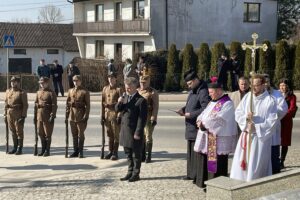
103, 141
67, 139
7, 135
35, 152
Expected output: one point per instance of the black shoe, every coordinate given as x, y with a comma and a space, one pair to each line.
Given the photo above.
134, 178
282, 165
114, 157
80, 155
108, 156
127, 177
19, 151
74, 154
46, 154
13, 151
194, 181
148, 159
186, 178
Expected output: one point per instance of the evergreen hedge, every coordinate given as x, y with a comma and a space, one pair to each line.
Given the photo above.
172, 82
204, 61
296, 70
189, 61
217, 51
282, 69
267, 60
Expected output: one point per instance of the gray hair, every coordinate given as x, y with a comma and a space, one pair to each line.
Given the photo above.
131, 81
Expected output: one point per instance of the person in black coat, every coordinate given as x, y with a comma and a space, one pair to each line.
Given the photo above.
235, 71
56, 72
133, 108
224, 65
197, 101
72, 70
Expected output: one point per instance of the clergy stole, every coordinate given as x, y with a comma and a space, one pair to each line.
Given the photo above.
212, 139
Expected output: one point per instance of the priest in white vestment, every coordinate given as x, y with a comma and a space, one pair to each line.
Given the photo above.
256, 163
216, 136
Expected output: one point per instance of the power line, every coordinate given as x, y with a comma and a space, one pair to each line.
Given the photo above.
60, 5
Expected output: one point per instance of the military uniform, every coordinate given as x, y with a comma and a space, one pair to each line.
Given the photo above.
45, 112
151, 96
111, 118
77, 111
15, 112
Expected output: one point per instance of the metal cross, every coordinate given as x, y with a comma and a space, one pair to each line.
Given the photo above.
253, 49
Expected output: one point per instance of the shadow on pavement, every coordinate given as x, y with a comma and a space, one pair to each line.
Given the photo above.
162, 178
53, 167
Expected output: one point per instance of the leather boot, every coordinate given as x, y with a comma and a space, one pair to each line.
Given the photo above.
14, 150
111, 148
20, 147
48, 144
81, 144
75, 146
43, 143
149, 151
115, 152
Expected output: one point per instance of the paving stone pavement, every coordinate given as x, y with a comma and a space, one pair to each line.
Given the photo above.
159, 180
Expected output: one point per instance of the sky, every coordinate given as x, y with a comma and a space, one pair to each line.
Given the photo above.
13, 10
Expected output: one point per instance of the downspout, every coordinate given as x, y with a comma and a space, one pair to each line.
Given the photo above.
167, 26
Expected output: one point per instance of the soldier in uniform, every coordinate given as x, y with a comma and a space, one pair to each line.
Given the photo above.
77, 111
151, 95
15, 112
110, 118
45, 109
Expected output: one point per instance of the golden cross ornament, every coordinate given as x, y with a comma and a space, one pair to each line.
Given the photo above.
253, 49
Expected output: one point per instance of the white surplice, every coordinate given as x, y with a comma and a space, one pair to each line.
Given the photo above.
264, 118
282, 109
221, 124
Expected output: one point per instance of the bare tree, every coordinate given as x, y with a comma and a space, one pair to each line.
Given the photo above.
50, 14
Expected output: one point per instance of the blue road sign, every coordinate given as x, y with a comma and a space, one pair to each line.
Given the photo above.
8, 41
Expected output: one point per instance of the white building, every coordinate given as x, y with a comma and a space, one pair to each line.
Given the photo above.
34, 42
120, 28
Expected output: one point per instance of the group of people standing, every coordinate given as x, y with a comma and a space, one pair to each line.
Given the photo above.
252, 125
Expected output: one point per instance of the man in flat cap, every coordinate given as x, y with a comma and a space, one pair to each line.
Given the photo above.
45, 109
109, 117
15, 112
77, 111
197, 101
216, 136
151, 96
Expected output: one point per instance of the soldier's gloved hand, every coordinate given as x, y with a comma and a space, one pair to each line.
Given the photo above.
118, 120
51, 120
102, 121
153, 123
21, 120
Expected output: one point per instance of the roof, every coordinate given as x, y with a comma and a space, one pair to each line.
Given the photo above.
36, 35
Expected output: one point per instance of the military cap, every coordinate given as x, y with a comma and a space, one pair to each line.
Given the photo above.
14, 78
44, 79
144, 78
190, 75
112, 74
76, 78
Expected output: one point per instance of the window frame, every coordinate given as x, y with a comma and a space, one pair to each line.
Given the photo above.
246, 19
96, 14
52, 53
136, 10
20, 52
135, 44
99, 53
120, 11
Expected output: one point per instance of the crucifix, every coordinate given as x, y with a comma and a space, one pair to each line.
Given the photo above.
253, 49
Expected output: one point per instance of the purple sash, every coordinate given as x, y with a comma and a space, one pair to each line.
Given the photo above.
212, 139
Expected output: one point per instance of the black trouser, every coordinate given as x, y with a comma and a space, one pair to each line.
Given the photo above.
191, 160
202, 172
134, 159
56, 84
275, 157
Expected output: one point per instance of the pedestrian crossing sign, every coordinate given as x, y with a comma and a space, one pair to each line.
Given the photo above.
8, 41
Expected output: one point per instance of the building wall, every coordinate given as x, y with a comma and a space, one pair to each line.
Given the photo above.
109, 45
36, 54
197, 21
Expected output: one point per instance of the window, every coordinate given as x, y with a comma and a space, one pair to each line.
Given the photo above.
52, 51
118, 11
99, 12
138, 47
118, 51
139, 9
20, 51
251, 12
99, 48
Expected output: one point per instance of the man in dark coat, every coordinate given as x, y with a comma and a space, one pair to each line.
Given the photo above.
134, 116
72, 70
56, 72
224, 66
197, 101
